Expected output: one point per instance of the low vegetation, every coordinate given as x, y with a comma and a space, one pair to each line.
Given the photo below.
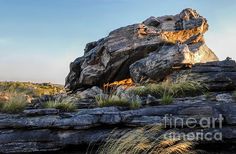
135, 104
111, 100
14, 96
166, 91
114, 100
31, 89
176, 89
145, 140
234, 95
166, 99
16, 104
61, 105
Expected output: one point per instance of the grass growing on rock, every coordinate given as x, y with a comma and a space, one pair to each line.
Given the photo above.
175, 89
114, 100
166, 99
63, 105
135, 104
16, 104
148, 140
234, 95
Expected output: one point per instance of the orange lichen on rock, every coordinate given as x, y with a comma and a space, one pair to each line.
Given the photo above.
192, 35
142, 30
126, 83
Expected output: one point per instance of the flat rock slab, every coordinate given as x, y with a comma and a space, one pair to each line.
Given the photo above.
51, 130
38, 112
90, 118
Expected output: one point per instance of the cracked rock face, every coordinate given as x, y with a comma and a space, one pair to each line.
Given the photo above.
168, 41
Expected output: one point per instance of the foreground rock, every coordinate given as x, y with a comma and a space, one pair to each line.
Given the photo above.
143, 51
50, 130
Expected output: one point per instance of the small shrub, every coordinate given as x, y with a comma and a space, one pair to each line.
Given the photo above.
63, 105
112, 100
16, 104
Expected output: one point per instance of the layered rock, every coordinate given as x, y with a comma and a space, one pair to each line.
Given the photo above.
157, 65
170, 40
50, 130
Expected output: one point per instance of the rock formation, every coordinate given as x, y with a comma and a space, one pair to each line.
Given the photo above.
50, 130
158, 49
148, 50
158, 65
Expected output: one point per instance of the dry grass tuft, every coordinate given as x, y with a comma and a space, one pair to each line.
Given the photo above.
146, 140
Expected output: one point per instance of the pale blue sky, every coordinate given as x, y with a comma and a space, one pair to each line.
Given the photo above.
39, 38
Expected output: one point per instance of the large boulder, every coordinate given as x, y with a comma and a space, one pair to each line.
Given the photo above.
171, 40
168, 59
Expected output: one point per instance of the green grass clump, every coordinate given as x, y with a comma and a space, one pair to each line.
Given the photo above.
16, 104
114, 100
166, 99
148, 140
153, 89
63, 105
175, 89
135, 104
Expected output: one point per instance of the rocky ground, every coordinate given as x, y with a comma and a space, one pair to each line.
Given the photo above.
163, 71
51, 129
